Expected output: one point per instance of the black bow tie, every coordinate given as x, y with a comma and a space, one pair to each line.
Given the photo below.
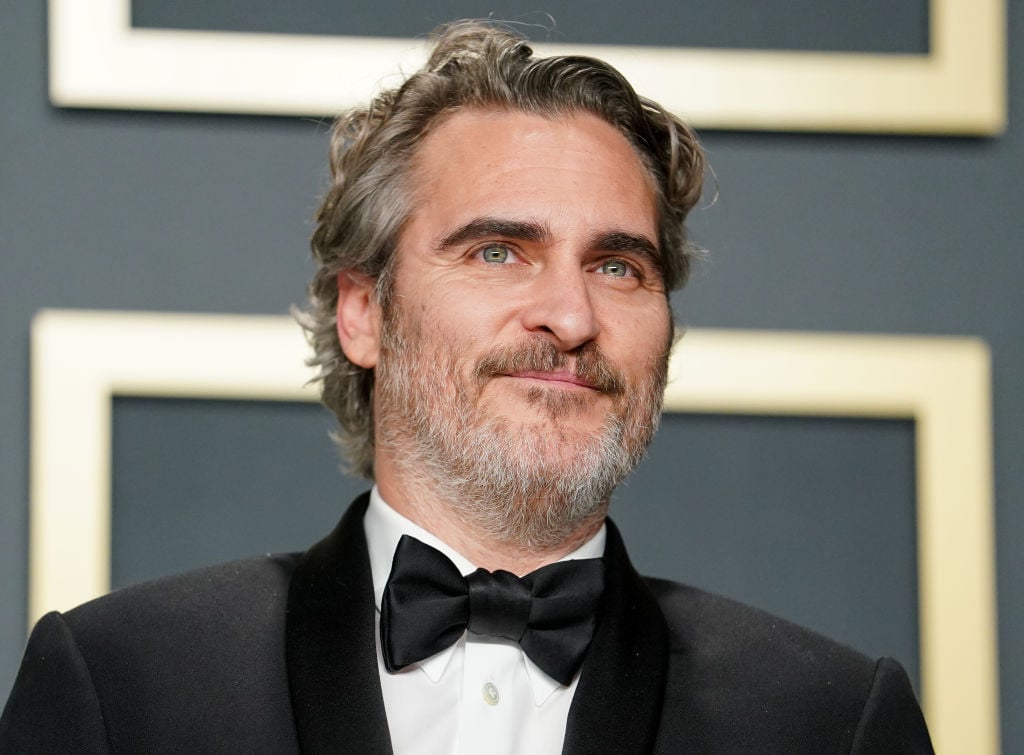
550, 612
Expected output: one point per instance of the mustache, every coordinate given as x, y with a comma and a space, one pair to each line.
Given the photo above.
587, 363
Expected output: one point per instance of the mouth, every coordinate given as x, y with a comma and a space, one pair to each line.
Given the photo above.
555, 379
541, 366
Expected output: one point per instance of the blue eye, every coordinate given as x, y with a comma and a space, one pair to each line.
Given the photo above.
496, 254
615, 268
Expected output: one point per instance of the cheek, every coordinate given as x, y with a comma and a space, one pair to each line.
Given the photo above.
458, 331
483, 315
640, 332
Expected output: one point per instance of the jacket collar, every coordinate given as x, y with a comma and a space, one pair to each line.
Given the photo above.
618, 703
330, 645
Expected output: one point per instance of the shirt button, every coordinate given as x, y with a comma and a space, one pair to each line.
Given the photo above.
490, 693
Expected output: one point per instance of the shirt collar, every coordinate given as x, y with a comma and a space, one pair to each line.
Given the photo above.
384, 527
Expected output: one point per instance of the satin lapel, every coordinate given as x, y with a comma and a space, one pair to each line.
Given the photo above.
618, 702
332, 658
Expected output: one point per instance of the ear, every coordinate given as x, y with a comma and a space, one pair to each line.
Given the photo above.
358, 318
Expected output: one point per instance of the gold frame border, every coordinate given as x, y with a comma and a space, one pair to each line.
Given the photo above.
81, 359
98, 60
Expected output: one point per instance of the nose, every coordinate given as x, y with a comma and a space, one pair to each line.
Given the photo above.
560, 305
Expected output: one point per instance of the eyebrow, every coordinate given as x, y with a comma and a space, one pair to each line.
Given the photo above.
489, 227
626, 243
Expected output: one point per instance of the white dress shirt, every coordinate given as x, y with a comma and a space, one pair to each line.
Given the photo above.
481, 695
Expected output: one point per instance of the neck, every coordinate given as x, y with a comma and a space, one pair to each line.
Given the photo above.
423, 504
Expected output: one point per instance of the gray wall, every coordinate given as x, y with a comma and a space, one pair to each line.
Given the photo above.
174, 212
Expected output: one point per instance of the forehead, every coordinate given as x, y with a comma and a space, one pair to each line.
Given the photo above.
573, 168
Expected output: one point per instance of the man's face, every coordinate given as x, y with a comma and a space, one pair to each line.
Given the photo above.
524, 356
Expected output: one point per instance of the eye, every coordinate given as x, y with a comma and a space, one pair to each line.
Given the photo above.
497, 254
616, 269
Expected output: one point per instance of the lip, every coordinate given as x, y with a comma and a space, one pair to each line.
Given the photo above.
558, 378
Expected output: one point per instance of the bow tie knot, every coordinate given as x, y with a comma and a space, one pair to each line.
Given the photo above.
499, 604
427, 604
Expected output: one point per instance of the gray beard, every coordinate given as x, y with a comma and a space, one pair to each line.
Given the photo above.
524, 484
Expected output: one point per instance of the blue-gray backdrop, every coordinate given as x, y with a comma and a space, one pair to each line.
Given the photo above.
811, 518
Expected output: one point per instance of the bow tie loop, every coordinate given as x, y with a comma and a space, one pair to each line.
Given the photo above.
427, 604
499, 604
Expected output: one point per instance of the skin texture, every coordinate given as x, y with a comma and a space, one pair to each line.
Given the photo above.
527, 278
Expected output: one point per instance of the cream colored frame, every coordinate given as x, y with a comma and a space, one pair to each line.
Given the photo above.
98, 60
81, 359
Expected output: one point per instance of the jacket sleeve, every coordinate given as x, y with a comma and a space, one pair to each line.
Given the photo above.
891, 721
53, 706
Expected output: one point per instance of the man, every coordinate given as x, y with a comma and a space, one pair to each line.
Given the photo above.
492, 324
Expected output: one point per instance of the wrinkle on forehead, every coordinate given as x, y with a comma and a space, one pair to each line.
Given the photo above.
489, 155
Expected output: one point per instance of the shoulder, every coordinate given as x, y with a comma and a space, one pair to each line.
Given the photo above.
237, 591
180, 659
217, 623
719, 629
738, 674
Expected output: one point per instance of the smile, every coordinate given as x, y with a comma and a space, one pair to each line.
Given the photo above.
555, 379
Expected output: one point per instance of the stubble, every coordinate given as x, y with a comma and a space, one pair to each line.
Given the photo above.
524, 482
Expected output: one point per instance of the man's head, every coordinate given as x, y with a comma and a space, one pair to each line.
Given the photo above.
474, 68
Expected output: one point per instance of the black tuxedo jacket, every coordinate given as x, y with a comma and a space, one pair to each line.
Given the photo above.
277, 655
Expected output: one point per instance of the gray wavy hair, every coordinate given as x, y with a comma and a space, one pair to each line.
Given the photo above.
473, 65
